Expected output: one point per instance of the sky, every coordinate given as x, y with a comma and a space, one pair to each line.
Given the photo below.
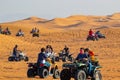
12, 10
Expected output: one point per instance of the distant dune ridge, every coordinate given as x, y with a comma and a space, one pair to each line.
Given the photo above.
75, 22
71, 31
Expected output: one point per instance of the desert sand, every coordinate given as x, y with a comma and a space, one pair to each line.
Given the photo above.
71, 31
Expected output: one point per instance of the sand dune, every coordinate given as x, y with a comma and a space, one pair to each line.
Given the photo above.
58, 32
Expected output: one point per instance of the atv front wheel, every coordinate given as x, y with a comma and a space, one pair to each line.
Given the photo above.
80, 75
97, 76
56, 74
65, 74
93, 38
87, 39
31, 73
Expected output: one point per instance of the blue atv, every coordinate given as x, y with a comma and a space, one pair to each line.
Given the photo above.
100, 35
80, 71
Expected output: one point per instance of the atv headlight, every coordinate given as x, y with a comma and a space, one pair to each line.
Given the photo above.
69, 65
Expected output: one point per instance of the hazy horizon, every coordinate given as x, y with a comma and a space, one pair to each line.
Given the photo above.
12, 10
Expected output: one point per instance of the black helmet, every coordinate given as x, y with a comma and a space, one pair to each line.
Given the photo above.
87, 49
16, 45
42, 49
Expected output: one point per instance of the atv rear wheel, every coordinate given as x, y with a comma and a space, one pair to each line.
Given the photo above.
43, 72
11, 58
65, 74
80, 75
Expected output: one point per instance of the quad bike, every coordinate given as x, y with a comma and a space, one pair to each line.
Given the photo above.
68, 58
80, 71
20, 56
101, 36
6, 32
42, 70
35, 34
64, 57
92, 38
19, 34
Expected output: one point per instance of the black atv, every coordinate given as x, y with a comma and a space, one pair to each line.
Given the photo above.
19, 34
64, 57
68, 58
79, 71
42, 70
101, 36
35, 34
20, 56
6, 32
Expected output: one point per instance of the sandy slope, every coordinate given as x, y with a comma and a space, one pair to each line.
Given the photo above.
58, 32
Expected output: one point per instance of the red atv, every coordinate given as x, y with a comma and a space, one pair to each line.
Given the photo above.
93, 37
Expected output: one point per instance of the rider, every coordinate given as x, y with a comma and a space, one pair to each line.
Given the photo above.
20, 32
49, 50
92, 57
7, 30
86, 52
15, 50
32, 31
66, 50
38, 31
81, 56
84, 58
91, 33
98, 33
35, 30
90, 54
42, 58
